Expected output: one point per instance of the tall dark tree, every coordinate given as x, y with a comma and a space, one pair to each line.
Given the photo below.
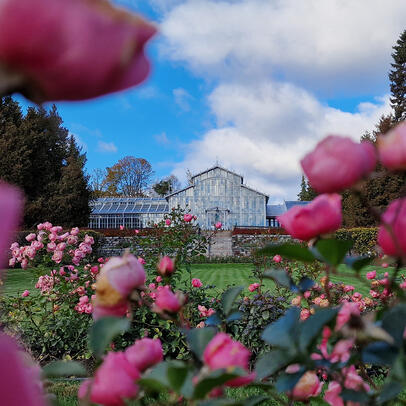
71, 202
34, 152
307, 193
397, 77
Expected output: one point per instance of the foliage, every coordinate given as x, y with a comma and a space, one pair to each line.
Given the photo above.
306, 193
397, 77
129, 177
167, 185
364, 239
37, 155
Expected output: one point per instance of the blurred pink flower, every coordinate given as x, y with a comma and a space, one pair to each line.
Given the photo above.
197, 283
144, 353
392, 148
321, 216
337, 163
72, 50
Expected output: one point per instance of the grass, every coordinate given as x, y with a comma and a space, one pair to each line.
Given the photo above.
218, 275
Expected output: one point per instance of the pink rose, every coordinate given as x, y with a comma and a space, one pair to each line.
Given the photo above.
308, 386
348, 288
19, 384
47, 226
332, 394
304, 314
57, 257
158, 278
348, 309
117, 310
168, 222
95, 48
141, 261
114, 381
223, 352
371, 275
166, 266
72, 240
31, 237
25, 293
321, 216
74, 231
218, 225
166, 300
24, 264
277, 258
188, 218
337, 163
392, 148
144, 353
121, 227
124, 274
253, 286
197, 283
393, 243
136, 231
61, 246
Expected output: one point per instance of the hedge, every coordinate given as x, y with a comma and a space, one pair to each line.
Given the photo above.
364, 238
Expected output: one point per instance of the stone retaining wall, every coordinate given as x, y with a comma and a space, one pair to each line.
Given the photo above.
236, 245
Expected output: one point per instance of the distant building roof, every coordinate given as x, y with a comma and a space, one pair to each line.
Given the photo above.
274, 210
129, 205
218, 167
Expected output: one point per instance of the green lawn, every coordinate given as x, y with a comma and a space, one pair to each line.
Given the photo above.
218, 275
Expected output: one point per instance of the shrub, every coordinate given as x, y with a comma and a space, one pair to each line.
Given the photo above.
364, 239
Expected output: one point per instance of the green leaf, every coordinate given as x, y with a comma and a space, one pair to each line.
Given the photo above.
389, 391
59, 369
354, 396
282, 332
311, 328
357, 263
213, 320
228, 298
252, 401
177, 372
332, 251
271, 362
394, 322
305, 284
234, 316
157, 379
288, 250
281, 277
380, 353
198, 338
215, 378
103, 331
287, 382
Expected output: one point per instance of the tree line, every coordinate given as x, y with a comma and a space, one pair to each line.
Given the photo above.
385, 186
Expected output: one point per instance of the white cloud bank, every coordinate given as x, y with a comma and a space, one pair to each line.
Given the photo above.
270, 62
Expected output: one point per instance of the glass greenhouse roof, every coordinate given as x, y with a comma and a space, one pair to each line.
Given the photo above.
128, 205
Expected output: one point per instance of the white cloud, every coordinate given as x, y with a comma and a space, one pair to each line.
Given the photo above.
265, 130
269, 63
327, 44
182, 98
106, 147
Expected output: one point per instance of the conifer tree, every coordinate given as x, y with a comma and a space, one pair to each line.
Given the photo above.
397, 77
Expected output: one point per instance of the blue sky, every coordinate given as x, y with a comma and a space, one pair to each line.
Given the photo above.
252, 84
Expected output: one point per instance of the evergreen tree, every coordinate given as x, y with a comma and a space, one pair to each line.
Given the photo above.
35, 154
307, 193
397, 77
71, 202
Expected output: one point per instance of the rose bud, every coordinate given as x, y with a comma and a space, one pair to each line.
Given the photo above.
308, 386
321, 216
223, 352
114, 381
167, 301
392, 148
166, 266
218, 225
168, 222
117, 279
71, 50
337, 163
188, 218
197, 283
144, 353
393, 241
